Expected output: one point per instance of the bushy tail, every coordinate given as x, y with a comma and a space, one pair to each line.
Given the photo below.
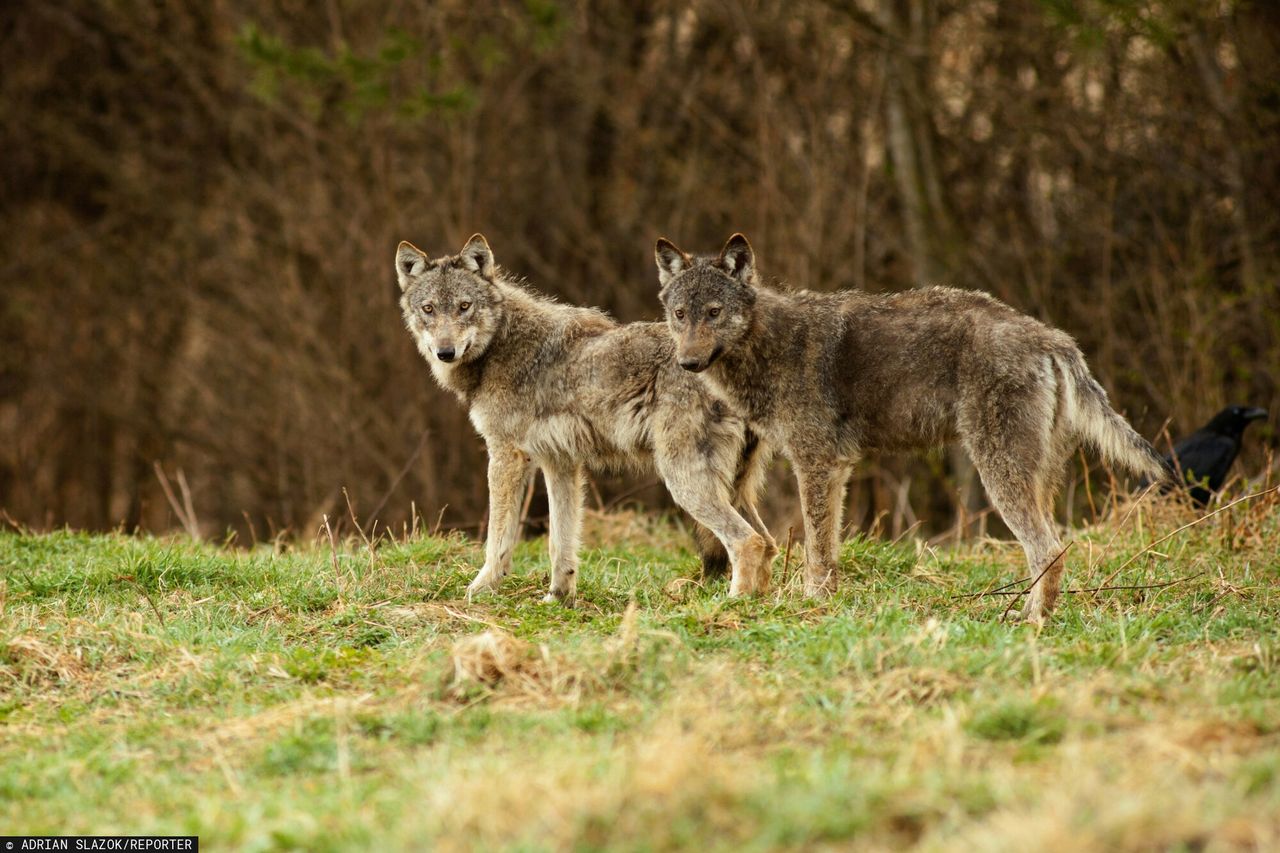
1106, 430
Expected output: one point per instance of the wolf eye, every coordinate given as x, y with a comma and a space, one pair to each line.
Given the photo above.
464, 306
679, 313
713, 312
428, 309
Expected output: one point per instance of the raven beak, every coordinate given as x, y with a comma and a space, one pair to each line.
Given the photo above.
1255, 414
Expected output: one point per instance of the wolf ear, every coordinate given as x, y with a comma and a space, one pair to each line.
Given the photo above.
410, 261
477, 256
737, 259
671, 261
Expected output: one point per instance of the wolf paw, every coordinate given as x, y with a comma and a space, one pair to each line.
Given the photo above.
567, 599
1033, 612
820, 585
486, 580
743, 590
753, 568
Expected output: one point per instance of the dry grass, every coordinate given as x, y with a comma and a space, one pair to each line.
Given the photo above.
30, 661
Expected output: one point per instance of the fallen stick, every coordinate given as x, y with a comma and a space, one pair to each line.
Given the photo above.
1098, 588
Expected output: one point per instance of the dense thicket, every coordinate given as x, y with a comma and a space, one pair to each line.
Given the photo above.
200, 204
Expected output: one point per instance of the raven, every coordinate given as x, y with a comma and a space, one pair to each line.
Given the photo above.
1205, 456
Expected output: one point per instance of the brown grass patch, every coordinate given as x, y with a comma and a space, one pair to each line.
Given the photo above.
916, 686
492, 657
33, 662
504, 667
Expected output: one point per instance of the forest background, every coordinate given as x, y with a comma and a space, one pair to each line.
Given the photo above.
200, 204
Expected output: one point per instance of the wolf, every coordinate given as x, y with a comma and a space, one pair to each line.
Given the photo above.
564, 389
827, 378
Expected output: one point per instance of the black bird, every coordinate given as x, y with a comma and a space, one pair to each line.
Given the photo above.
1205, 456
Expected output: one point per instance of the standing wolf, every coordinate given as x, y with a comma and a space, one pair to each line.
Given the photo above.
827, 378
563, 388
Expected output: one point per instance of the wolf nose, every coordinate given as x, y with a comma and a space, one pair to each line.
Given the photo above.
691, 364
445, 353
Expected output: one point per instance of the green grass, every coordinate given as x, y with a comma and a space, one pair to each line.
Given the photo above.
298, 699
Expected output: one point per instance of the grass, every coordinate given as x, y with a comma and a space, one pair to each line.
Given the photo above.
282, 698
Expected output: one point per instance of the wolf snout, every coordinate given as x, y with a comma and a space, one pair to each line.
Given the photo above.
446, 354
697, 365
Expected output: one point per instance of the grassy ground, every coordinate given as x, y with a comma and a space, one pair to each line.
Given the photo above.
299, 698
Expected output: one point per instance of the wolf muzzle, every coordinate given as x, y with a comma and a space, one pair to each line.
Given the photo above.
697, 365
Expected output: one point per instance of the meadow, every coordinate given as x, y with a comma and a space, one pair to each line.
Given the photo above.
343, 694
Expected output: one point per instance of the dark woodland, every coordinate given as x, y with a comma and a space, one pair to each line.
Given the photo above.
201, 202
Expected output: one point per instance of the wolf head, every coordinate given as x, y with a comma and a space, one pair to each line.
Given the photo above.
452, 305
709, 301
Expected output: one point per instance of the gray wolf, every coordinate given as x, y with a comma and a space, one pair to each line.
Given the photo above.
827, 378
563, 388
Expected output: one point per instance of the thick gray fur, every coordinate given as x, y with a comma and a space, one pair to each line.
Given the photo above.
828, 378
564, 389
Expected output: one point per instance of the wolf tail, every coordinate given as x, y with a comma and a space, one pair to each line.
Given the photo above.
1106, 430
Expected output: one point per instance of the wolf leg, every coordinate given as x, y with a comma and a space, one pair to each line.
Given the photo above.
564, 493
700, 458
1021, 499
747, 490
699, 494
715, 559
1020, 456
1049, 562
553, 532
839, 483
752, 515
1046, 544
1045, 561
818, 487
509, 472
